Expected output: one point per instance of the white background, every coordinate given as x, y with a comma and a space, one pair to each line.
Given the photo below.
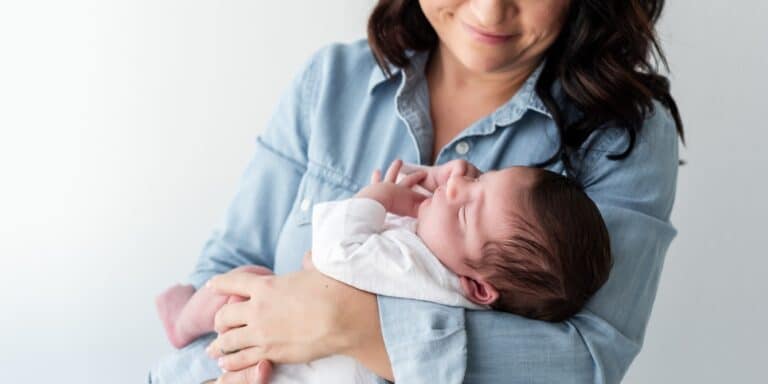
124, 127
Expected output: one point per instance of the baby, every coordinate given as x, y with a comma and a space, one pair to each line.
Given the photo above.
521, 240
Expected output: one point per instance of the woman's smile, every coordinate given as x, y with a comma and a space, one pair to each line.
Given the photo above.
486, 37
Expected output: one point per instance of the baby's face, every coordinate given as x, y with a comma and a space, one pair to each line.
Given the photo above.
466, 213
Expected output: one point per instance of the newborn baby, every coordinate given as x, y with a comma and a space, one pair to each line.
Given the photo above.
522, 240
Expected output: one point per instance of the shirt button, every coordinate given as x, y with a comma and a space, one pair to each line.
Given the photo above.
462, 147
305, 204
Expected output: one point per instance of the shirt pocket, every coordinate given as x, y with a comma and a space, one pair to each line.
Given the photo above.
320, 184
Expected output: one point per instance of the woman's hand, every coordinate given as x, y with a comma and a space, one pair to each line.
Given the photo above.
294, 318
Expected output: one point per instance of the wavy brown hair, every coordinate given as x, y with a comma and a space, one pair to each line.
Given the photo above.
606, 59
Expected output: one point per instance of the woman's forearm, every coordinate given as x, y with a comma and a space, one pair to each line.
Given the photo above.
368, 346
375, 358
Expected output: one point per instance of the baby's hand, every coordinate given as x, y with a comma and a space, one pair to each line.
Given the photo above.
396, 197
439, 175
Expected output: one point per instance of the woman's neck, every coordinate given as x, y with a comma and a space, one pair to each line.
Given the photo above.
445, 72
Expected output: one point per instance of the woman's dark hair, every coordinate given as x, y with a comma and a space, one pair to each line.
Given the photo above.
556, 257
605, 58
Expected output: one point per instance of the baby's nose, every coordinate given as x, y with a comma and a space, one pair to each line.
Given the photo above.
450, 190
453, 187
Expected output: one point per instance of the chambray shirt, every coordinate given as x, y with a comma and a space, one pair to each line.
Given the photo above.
341, 118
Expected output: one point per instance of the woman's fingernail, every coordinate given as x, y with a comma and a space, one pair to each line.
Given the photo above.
221, 363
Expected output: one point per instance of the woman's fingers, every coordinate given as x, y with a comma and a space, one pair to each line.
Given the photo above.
276, 316
242, 359
234, 340
237, 282
393, 171
231, 315
257, 374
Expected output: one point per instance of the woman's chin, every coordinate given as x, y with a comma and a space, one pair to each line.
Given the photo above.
477, 61
480, 58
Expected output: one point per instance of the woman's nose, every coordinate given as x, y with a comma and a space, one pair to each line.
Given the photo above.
490, 12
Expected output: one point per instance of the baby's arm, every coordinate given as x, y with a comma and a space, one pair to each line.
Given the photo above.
187, 314
346, 224
350, 244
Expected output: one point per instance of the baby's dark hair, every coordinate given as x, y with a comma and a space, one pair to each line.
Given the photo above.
556, 259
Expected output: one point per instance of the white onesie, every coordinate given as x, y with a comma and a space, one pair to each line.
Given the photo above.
357, 242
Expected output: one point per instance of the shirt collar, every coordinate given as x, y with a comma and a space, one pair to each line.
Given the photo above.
377, 74
526, 98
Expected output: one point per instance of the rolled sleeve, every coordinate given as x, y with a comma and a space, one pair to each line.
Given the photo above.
425, 342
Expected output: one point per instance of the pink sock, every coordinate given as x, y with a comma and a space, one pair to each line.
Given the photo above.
186, 314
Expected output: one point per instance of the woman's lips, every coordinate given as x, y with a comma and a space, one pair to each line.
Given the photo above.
486, 37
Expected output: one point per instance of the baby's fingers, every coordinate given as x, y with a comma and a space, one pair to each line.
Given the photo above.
376, 177
413, 179
393, 170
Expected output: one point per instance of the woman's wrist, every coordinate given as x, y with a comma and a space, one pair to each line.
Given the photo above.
375, 359
361, 336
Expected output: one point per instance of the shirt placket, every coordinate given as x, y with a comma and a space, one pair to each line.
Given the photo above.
412, 104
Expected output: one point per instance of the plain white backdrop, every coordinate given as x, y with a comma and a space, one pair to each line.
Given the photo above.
124, 127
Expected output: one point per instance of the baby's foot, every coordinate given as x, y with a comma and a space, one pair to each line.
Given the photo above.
169, 306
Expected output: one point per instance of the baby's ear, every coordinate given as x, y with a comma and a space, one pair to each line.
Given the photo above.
478, 291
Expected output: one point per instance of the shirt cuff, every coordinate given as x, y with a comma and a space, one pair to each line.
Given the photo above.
426, 342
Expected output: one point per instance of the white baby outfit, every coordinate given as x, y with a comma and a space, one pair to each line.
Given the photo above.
357, 242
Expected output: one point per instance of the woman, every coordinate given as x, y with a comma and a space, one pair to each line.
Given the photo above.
553, 83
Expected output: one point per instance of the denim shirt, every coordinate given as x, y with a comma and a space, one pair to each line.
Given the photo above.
342, 118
